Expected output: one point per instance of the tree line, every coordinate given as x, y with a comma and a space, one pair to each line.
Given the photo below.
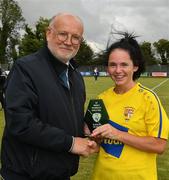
14, 45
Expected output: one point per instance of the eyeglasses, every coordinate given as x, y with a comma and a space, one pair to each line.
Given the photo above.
63, 36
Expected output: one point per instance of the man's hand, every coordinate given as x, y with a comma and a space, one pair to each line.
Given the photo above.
94, 147
84, 146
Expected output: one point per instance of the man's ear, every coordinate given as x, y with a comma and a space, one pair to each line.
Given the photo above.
48, 33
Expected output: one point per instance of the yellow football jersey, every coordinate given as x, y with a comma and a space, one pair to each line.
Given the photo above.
139, 112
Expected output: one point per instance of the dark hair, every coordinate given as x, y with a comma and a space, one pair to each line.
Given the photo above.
129, 44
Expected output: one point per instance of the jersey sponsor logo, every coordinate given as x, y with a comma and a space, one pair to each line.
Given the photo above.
111, 141
113, 146
128, 113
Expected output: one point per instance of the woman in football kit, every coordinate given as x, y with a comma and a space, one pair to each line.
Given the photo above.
138, 127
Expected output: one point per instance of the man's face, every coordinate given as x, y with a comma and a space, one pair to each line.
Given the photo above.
64, 37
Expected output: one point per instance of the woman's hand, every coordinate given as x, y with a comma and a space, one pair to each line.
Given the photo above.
106, 131
143, 143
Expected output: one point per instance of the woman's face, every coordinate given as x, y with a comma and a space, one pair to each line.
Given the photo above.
121, 67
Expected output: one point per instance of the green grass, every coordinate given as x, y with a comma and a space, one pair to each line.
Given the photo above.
93, 88
1, 124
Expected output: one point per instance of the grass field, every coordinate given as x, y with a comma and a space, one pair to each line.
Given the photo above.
93, 88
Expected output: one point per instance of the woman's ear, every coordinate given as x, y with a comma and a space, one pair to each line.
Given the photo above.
135, 68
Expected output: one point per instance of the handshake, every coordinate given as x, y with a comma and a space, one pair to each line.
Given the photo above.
87, 146
84, 146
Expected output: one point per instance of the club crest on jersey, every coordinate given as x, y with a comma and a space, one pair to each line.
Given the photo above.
128, 113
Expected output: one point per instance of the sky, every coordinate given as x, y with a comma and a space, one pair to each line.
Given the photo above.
149, 19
